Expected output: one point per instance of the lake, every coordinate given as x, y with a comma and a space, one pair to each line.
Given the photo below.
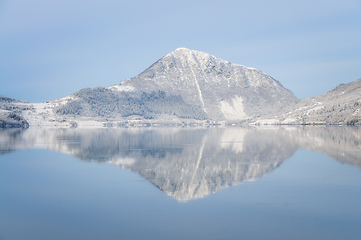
181, 183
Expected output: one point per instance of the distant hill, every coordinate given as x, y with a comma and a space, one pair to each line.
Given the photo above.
341, 105
10, 113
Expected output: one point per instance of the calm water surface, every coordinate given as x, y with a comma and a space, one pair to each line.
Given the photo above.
173, 183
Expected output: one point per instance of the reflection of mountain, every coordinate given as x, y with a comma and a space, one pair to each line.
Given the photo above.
9, 140
216, 159
191, 163
184, 163
341, 143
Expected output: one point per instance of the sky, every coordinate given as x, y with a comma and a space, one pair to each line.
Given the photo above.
50, 49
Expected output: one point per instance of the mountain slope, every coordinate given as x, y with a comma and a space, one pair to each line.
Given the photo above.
10, 113
340, 105
225, 91
103, 102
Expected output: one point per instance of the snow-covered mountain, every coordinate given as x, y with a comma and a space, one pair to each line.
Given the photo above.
190, 87
223, 90
341, 105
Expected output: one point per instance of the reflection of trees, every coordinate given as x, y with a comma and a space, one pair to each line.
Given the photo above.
12, 140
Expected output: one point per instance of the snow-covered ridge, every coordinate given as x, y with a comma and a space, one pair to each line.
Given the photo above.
201, 56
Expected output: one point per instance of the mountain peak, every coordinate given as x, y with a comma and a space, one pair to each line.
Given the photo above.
224, 91
201, 58
182, 49
185, 52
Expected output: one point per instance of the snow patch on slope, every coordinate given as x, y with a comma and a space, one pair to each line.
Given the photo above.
233, 110
122, 161
315, 109
122, 88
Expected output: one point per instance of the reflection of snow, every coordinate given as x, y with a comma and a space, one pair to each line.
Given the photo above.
233, 139
122, 161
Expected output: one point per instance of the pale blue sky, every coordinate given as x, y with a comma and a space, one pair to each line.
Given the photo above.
50, 49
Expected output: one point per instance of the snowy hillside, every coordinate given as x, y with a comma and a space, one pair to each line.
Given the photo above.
341, 105
10, 113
